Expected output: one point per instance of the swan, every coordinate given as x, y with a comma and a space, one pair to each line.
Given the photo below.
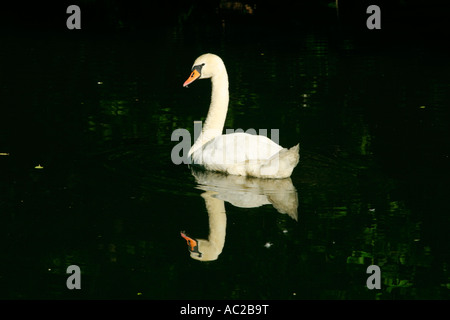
237, 153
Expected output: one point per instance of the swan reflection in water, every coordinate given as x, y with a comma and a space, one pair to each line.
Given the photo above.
242, 192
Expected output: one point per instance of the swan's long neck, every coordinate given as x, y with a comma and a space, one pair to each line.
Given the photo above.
217, 113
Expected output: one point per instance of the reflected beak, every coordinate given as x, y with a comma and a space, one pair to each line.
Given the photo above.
194, 76
192, 243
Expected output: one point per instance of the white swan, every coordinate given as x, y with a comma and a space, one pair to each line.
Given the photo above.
237, 153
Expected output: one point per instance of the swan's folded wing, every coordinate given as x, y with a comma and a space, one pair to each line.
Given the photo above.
235, 148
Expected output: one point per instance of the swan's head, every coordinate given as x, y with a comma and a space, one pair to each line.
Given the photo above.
206, 66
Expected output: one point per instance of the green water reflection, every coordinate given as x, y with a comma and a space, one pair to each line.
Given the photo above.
97, 112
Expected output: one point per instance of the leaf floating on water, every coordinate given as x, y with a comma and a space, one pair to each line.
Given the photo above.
39, 167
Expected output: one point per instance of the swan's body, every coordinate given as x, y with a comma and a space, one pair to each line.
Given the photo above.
237, 153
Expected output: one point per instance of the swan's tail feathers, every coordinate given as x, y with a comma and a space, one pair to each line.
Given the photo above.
281, 164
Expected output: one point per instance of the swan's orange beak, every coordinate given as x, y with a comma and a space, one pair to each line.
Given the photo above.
194, 76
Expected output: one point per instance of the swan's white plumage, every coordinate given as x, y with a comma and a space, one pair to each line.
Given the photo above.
237, 153
229, 149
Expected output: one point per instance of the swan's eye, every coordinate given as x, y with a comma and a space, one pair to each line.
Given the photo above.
198, 68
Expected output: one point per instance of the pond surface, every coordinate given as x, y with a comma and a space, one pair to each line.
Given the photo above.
87, 177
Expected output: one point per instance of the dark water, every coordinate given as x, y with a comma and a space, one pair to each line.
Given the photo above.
87, 178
